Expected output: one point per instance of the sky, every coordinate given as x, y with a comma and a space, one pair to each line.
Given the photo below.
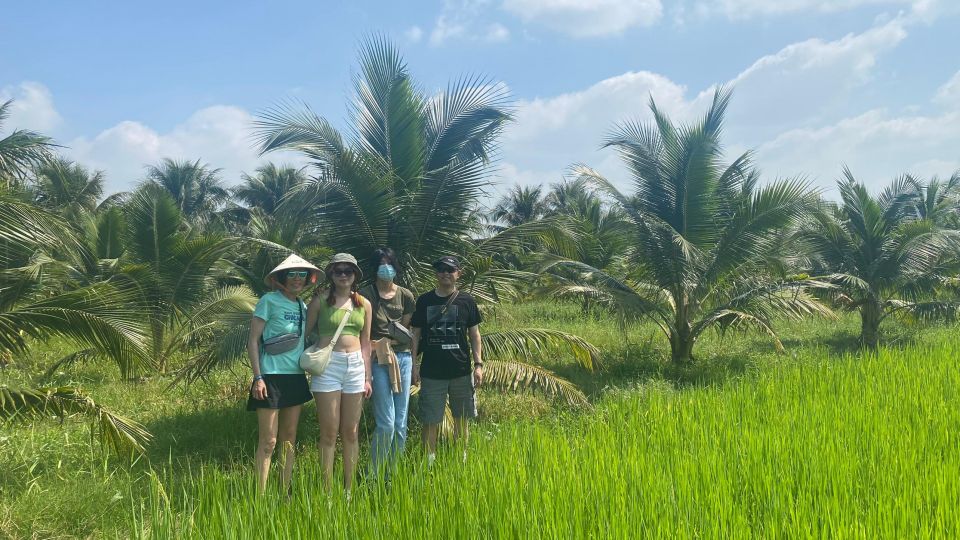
817, 84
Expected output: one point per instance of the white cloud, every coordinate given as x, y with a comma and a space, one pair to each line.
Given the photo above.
414, 34
587, 18
747, 9
218, 135
497, 33
949, 93
32, 107
808, 82
446, 28
876, 145
464, 20
805, 84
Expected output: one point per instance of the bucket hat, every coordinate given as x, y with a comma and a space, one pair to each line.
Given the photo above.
291, 262
347, 258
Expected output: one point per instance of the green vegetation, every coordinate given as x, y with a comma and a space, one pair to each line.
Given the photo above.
746, 442
680, 358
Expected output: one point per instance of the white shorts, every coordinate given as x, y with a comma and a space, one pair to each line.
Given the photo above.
345, 373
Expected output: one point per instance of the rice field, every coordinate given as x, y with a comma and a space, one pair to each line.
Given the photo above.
813, 446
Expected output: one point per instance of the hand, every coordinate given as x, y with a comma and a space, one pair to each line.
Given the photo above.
415, 376
367, 389
477, 376
259, 390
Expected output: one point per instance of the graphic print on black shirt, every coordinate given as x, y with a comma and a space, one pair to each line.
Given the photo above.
445, 345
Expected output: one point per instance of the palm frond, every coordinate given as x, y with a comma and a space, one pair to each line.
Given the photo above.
121, 435
538, 343
515, 375
102, 316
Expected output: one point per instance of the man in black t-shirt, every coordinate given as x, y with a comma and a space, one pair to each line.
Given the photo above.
442, 322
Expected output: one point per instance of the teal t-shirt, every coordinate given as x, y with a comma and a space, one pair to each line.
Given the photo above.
282, 316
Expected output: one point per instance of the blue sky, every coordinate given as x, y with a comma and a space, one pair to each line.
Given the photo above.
874, 84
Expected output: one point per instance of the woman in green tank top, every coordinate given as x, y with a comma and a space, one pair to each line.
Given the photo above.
340, 389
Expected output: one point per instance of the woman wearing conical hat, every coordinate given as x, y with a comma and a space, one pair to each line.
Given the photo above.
279, 387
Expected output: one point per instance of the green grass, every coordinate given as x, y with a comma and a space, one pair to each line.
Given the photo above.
743, 443
823, 447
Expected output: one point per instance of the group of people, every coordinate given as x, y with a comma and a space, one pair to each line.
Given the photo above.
384, 340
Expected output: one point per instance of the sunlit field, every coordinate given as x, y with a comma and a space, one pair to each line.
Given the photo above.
818, 441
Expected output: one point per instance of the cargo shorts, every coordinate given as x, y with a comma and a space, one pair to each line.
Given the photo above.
433, 398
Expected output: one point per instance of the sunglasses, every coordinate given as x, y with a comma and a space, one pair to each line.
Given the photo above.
302, 274
348, 271
444, 269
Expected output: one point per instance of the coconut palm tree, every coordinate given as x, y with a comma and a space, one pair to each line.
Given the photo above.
410, 176
885, 255
68, 188
267, 187
197, 189
180, 274
20, 151
413, 173
937, 200
522, 204
102, 318
702, 234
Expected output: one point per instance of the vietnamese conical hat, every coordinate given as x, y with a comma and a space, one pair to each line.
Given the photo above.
293, 261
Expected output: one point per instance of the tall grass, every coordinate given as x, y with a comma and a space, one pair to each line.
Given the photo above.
818, 446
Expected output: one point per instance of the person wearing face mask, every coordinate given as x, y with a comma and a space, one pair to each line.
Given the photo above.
392, 363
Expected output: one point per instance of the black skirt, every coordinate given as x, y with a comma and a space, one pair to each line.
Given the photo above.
282, 391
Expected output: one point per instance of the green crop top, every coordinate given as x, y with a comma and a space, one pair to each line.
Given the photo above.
329, 319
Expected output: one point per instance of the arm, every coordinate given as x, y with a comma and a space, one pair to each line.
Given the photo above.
313, 311
259, 388
365, 347
476, 346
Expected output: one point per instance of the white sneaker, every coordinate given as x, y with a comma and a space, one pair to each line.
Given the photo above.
430, 459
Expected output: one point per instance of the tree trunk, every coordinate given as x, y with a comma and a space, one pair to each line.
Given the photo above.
681, 344
870, 315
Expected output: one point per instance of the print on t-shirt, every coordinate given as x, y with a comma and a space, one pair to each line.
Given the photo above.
446, 331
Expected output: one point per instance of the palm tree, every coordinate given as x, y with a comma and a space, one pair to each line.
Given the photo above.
702, 234
885, 254
522, 204
20, 151
267, 187
568, 196
414, 171
197, 189
68, 188
937, 200
410, 176
192, 316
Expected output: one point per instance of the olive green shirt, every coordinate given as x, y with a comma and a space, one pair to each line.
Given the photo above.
402, 304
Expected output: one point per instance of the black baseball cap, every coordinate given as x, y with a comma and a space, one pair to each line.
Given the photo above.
447, 260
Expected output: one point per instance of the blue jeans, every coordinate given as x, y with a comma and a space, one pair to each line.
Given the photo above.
390, 411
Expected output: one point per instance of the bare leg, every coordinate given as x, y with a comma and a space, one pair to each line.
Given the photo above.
266, 442
328, 415
287, 437
461, 430
430, 433
351, 406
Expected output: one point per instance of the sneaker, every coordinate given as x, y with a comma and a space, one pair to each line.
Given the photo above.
430, 459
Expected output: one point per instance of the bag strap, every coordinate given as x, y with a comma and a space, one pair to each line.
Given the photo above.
343, 322
376, 294
303, 321
443, 310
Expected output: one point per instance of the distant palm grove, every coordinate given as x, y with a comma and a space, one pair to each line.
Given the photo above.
161, 280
